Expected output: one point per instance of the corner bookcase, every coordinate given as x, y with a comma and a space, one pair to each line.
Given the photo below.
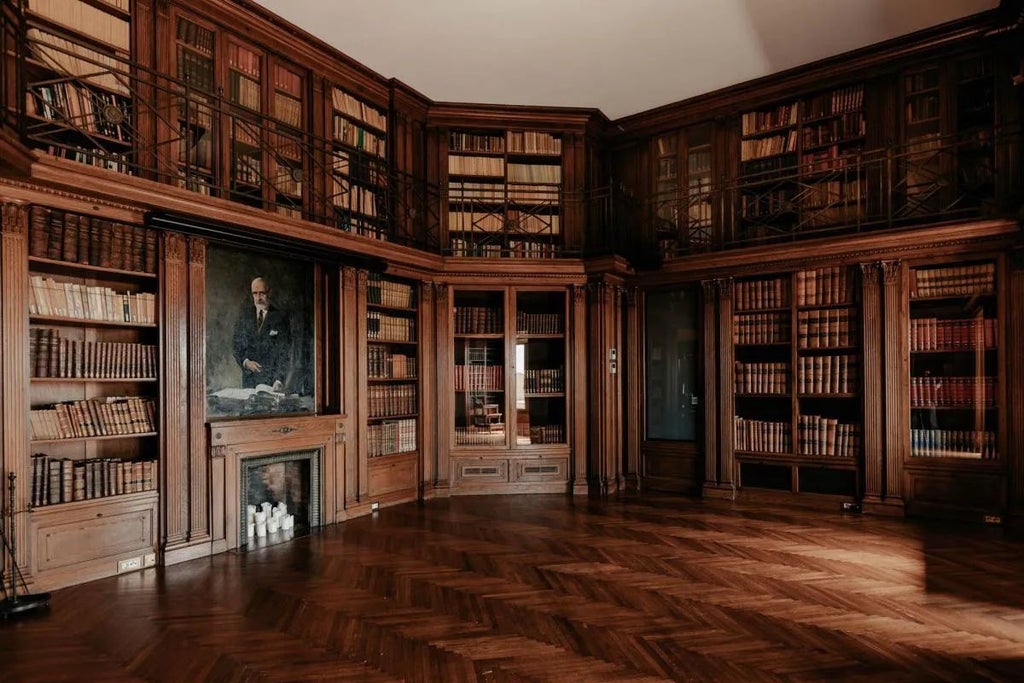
359, 174
94, 387
796, 383
392, 386
504, 194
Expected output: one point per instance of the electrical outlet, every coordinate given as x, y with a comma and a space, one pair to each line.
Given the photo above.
374, 506
993, 519
149, 560
131, 564
851, 507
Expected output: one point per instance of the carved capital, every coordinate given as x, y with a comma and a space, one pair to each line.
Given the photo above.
218, 452
890, 271
362, 281
196, 250
15, 219
174, 247
441, 292
348, 277
710, 289
724, 285
579, 294
870, 273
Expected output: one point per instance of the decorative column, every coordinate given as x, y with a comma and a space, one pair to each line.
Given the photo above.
199, 466
726, 403
426, 439
14, 386
578, 426
348, 471
357, 402
445, 393
1014, 363
632, 371
175, 303
605, 414
895, 394
710, 347
871, 377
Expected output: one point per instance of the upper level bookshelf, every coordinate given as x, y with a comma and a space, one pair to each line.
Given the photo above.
799, 163
504, 194
682, 202
359, 167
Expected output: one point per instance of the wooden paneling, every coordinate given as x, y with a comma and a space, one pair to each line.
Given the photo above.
895, 371
175, 423
579, 381
871, 381
396, 473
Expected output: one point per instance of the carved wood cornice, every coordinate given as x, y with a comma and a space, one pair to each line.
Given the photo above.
15, 219
73, 201
196, 250
174, 247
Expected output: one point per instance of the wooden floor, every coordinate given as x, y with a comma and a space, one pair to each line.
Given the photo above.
548, 588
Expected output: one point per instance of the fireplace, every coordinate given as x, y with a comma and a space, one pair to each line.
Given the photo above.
279, 497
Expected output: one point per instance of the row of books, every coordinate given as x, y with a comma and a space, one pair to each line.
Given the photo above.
287, 81
390, 293
846, 127
833, 158
459, 141
952, 392
366, 169
195, 35
517, 142
530, 249
479, 378
394, 436
767, 203
286, 178
384, 327
935, 334
112, 416
196, 70
542, 433
759, 121
478, 320
94, 156
830, 193
464, 247
61, 236
757, 294
946, 443
243, 59
91, 67
758, 148
357, 137
51, 355
247, 168
388, 400
826, 328
383, 364
476, 221
92, 20
963, 280
840, 100
64, 480
760, 328
827, 374
50, 297
817, 435
77, 106
761, 378
535, 173
471, 192
476, 436
762, 436
478, 166
538, 323
347, 195
544, 381
358, 109
533, 142
244, 91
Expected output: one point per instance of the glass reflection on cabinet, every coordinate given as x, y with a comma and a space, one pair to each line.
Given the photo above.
540, 368
671, 360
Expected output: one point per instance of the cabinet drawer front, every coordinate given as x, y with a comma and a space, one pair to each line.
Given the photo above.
541, 469
481, 470
74, 542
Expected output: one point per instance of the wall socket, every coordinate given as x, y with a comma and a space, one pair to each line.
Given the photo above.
374, 506
129, 565
149, 560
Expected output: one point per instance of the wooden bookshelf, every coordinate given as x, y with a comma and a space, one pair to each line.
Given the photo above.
504, 194
358, 185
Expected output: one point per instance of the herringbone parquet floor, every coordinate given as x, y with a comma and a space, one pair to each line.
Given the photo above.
548, 588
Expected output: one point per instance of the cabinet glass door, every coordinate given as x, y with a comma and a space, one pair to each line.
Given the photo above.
540, 368
671, 356
479, 368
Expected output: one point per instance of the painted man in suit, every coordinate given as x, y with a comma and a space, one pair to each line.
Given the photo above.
262, 341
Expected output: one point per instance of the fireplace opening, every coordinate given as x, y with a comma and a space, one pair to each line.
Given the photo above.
279, 498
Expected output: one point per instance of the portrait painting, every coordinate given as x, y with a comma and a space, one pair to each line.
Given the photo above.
259, 334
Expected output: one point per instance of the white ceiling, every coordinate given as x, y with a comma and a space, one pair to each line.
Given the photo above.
620, 56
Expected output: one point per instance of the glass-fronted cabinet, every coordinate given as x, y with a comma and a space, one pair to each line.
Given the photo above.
540, 368
671, 352
479, 381
955, 399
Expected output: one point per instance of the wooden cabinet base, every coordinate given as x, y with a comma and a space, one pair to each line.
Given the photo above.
77, 542
394, 476
488, 474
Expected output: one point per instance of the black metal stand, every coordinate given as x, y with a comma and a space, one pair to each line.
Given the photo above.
14, 605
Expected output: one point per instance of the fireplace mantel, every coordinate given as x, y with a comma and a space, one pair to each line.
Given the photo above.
233, 440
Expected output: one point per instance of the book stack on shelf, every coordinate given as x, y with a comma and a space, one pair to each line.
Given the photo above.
391, 366
540, 367
504, 194
954, 399
78, 102
194, 49
286, 148
479, 369
359, 168
64, 480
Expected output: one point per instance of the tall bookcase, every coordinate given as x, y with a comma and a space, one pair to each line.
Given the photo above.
510, 390
392, 385
796, 389
504, 194
94, 365
799, 163
359, 168
78, 103
955, 398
